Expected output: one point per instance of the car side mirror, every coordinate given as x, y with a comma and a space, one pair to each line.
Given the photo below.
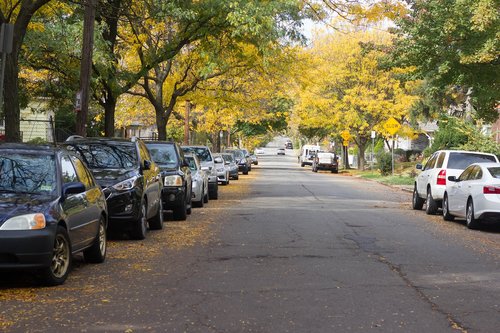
147, 165
185, 163
418, 166
73, 188
452, 179
205, 168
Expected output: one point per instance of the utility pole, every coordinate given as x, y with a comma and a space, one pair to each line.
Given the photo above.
83, 96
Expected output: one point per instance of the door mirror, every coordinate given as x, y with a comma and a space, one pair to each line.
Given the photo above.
147, 165
452, 179
418, 166
218, 160
185, 163
73, 188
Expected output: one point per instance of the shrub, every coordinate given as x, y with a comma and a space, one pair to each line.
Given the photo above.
384, 163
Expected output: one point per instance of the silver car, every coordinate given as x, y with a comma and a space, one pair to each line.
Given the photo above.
231, 165
222, 172
200, 181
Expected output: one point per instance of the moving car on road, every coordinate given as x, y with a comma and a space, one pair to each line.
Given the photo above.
430, 184
474, 195
50, 208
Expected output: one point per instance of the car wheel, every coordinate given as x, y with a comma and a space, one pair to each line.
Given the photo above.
60, 264
417, 202
97, 252
180, 212
141, 225
245, 171
214, 194
156, 223
446, 212
302, 164
199, 203
205, 195
472, 223
431, 208
237, 177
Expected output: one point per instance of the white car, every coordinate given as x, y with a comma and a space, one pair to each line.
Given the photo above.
222, 171
199, 181
259, 151
430, 184
474, 195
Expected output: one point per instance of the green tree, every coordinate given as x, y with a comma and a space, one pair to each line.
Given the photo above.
454, 45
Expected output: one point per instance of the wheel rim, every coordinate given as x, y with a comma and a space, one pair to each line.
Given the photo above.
60, 257
469, 213
102, 238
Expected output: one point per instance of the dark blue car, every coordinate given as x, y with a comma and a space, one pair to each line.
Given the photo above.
50, 208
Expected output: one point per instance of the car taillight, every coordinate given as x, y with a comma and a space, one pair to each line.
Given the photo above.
441, 178
491, 189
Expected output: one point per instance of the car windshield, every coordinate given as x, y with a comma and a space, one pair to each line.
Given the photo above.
192, 163
202, 153
228, 157
495, 172
463, 160
27, 173
163, 154
104, 156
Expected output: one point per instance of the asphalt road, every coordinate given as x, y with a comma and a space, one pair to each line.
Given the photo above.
283, 250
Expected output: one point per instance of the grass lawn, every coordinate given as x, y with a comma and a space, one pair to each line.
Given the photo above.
404, 174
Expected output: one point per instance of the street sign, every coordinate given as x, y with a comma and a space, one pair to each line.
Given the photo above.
345, 135
392, 126
345, 143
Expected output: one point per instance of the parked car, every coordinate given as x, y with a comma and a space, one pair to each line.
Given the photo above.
326, 161
176, 177
474, 195
430, 184
222, 171
130, 180
231, 166
50, 208
259, 151
200, 181
281, 151
255, 160
307, 154
248, 158
239, 156
289, 145
207, 163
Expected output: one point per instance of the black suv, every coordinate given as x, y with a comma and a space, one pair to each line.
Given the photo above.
50, 208
242, 159
130, 180
176, 177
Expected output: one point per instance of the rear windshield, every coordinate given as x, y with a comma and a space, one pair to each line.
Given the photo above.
202, 153
463, 160
163, 154
103, 156
495, 172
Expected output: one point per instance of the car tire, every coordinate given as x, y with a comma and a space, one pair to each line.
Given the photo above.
472, 223
237, 177
446, 212
156, 223
432, 207
302, 164
141, 225
199, 203
417, 202
205, 196
214, 193
97, 252
60, 264
180, 212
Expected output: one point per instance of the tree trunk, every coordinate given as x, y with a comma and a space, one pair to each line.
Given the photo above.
361, 142
161, 123
11, 100
109, 116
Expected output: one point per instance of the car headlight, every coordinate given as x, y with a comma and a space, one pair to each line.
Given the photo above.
174, 180
126, 184
25, 222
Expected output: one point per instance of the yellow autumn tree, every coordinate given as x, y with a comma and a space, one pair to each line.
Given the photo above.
346, 88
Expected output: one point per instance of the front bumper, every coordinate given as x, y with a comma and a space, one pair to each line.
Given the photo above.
26, 249
123, 207
172, 196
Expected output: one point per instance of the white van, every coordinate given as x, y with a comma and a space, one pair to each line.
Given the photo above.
307, 153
